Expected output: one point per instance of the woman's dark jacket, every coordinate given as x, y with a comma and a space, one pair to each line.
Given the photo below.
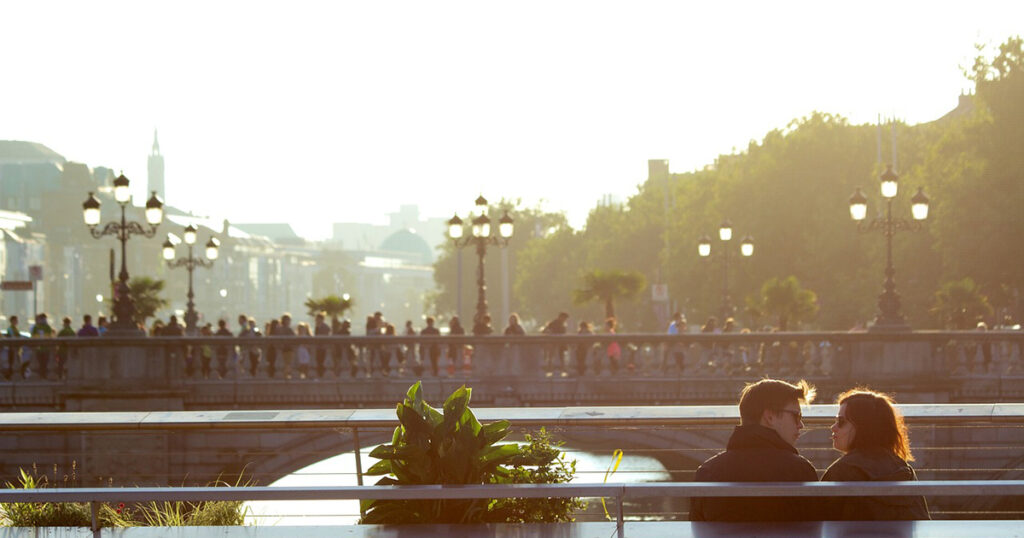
872, 465
755, 454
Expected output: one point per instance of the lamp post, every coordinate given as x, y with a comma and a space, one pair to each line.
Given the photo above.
746, 250
124, 307
190, 263
889, 317
480, 235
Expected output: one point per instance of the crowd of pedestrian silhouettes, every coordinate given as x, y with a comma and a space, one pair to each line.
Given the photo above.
378, 357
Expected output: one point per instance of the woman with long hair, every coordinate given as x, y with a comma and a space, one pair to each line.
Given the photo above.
870, 432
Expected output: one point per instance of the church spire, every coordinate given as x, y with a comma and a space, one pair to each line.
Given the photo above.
156, 169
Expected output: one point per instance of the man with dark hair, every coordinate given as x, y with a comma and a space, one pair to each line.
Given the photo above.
433, 351
555, 354
761, 449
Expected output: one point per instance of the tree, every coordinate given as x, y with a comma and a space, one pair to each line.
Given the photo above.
331, 305
145, 294
960, 303
785, 300
607, 285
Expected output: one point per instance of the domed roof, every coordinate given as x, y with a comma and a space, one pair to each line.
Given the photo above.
408, 242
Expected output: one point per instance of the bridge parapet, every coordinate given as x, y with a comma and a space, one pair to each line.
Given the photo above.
218, 372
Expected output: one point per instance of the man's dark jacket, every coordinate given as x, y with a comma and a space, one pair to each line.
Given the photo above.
755, 454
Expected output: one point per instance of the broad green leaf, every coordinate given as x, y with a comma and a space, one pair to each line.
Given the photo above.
380, 468
494, 432
468, 420
498, 454
415, 394
383, 451
417, 431
454, 406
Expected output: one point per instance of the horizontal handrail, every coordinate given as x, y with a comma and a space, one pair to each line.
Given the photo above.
573, 339
933, 488
813, 415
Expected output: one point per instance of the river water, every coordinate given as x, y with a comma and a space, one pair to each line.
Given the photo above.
341, 471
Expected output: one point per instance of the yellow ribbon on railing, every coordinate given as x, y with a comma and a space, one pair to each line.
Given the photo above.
616, 460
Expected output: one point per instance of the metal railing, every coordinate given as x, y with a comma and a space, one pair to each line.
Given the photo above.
958, 441
618, 491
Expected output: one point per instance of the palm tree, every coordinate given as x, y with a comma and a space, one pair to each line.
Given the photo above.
145, 294
332, 305
607, 285
785, 300
959, 303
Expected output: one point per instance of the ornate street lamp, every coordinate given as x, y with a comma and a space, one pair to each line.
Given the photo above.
746, 250
480, 235
190, 262
124, 307
889, 317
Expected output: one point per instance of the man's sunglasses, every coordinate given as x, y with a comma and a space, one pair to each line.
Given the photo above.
796, 414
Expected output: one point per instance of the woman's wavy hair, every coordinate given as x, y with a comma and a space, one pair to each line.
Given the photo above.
879, 424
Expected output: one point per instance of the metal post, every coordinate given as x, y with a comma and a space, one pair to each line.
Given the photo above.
191, 317
359, 465
621, 518
458, 282
479, 319
889, 316
359, 460
94, 507
726, 306
124, 310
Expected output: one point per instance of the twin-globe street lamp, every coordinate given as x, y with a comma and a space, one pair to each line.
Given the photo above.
889, 317
746, 250
481, 237
124, 307
190, 262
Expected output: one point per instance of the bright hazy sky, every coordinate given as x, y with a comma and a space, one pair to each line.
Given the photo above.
321, 112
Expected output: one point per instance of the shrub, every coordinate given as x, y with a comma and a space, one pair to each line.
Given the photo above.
152, 514
542, 463
431, 447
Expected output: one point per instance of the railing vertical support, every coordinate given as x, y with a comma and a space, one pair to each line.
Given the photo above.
94, 507
621, 519
357, 450
359, 460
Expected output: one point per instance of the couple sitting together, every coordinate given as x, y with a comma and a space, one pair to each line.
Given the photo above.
868, 429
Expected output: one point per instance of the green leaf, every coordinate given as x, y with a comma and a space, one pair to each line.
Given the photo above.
454, 406
380, 468
493, 432
417, 430
414, 396
468, 420
383, 451
498, 454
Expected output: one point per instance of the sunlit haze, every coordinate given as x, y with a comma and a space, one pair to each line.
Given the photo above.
321, 112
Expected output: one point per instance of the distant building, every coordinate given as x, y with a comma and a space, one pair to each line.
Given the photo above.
19, 249
363, 236
280, 232
155, 165
28, 171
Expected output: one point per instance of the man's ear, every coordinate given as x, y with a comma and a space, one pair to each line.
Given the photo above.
767, 418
